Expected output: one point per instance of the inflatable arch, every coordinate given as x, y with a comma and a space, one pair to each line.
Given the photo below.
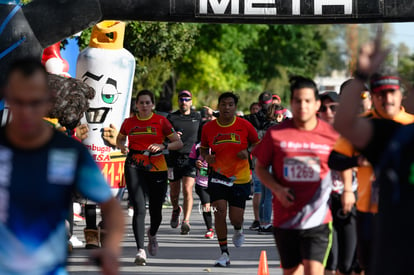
26, 30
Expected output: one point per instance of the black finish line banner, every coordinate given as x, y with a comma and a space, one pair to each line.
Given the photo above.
270, 8
262, 11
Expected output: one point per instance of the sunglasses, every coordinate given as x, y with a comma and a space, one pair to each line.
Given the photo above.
184, 99
324, 108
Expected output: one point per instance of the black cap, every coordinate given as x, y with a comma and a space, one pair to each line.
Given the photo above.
332, 95
384, 83
265, 98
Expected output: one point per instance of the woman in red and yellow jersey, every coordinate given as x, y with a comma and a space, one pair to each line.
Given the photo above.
145, 168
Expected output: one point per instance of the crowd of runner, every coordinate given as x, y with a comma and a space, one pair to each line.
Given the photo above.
318, 167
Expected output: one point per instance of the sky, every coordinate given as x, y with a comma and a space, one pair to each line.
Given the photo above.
404, 32
71, 54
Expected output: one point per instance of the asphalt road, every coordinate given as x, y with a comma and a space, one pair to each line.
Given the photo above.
185, 254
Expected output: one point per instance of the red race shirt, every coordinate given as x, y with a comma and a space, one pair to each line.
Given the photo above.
144, 132
299, 160
226, 141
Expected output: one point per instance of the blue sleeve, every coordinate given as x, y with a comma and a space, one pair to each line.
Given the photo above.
90, 181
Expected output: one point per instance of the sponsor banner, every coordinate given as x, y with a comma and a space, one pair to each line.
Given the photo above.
113, 170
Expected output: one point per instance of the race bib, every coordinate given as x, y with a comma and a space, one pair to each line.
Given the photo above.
302, 169
61, 166
203, 172
220, 179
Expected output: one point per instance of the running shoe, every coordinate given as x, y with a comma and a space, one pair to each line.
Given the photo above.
185, 228
209, 234
223, 261
175, 217
152, 244
238, 238
255, 226
266, 229
75, 242
141, 257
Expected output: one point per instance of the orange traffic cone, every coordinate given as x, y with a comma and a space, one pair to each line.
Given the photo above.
263, 268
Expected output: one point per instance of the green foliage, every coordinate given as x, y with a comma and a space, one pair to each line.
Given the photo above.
406, 69
248, 59
156, 47
208, 59
164, 41
217, 63
334, 56
405, 64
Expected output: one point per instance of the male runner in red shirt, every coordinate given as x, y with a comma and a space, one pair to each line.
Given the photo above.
298, 151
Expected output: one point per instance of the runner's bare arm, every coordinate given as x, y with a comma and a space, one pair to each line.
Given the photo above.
356, 129
210, 159
245, 153
114, 226
347, 122
175, 142
283, 194
348, 196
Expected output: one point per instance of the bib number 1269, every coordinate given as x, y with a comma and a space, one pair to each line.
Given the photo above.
302, 169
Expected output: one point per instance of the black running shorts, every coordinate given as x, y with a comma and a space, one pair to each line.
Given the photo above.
295, 245
236, 195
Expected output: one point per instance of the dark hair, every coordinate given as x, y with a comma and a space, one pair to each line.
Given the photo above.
164, 106
343, 85
300, 82
265, 96
146, 92
251, 105
27, 67
228, 95
133, 108
271, 111
71, 99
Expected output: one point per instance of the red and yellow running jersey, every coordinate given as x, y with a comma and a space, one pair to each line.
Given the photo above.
365, 174
142, 133
226, 141
299, 160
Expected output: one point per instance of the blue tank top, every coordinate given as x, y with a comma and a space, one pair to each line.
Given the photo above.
35, 193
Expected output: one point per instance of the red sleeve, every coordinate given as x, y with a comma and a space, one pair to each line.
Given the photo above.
252, 135
204, 138
167, 128
264, 150
123, 130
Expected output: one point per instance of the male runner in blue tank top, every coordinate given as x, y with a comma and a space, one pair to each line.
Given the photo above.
39, 170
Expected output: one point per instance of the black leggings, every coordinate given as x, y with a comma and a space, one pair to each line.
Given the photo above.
142, 185
205, 198
343, 252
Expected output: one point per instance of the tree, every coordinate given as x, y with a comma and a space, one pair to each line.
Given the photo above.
156, 47
405, 64
217, 62
208, 59
249, 59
